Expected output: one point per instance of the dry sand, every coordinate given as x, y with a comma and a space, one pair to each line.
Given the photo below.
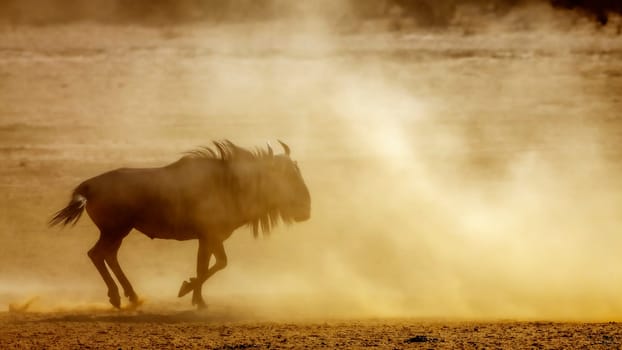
197, 330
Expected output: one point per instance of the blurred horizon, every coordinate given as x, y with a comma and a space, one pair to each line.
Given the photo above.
340, 13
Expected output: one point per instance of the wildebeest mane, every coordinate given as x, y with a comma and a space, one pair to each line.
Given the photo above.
228, 152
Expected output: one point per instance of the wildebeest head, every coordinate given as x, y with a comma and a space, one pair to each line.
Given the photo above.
289, 193
266, 186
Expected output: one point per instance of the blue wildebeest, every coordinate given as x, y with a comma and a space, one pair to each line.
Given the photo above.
205, 195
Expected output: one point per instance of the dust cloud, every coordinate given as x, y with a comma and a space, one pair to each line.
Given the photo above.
464, 172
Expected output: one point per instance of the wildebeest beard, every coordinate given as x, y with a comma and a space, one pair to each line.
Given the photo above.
250, 183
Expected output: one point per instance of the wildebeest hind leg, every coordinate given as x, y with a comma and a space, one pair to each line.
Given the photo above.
113, 263
97, 255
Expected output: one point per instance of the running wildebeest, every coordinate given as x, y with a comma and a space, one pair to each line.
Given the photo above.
205, 195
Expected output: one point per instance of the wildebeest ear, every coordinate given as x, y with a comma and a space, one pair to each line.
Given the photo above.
285, 147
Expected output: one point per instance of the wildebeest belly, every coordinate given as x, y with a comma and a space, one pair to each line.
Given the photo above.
165, 223
161, 214
164, 231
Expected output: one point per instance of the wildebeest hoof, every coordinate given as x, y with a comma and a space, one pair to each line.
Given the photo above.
134, 304
134, 299
186, 287
200, 304
115, 300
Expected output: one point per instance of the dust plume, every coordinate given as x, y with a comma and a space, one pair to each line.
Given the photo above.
36, 305
23, 306
453, 173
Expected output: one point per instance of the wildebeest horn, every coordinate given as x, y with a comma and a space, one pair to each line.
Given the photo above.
285, 147
270, 152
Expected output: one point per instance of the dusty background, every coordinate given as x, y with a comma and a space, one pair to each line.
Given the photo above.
469, 171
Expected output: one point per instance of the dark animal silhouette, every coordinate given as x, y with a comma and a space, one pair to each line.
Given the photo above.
205, 195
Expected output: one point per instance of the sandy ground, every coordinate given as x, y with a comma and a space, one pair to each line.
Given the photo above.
493, 110
196, 330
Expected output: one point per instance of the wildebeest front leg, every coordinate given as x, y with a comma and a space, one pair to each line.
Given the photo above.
203, 258
206, 249
204, 272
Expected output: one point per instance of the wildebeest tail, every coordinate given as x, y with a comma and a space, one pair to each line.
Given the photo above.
72, 212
